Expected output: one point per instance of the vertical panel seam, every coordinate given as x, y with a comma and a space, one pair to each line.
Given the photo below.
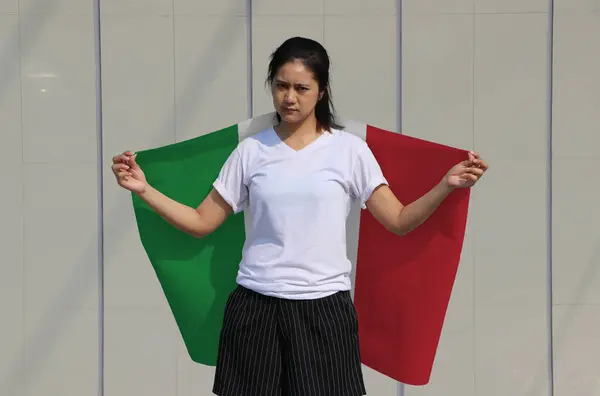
549, 230
400, 387
473, 233
323, 21
175, 124
399, 66
249, 71
100, 196
20, 49
173, 21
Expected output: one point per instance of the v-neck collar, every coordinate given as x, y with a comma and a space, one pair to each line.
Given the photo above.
319, 141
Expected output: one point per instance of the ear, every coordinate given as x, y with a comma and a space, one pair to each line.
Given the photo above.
321, 95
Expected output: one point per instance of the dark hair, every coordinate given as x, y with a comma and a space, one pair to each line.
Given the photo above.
315, 57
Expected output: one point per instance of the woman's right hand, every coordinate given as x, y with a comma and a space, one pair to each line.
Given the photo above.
128, 173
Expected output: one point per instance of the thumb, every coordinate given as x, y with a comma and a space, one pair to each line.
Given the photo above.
132, 161
468, 162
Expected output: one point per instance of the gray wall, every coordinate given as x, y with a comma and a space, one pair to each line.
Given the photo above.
48, 199
474, 73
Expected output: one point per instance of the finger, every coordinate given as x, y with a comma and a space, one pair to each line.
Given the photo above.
482, 164
119, 171
474, 171
119, 166
468, 177
466, 163
477, 159
132, 161
123, 174
121, 158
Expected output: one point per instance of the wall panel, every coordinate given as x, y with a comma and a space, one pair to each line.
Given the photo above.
363, 67
11, 204
437, 105
510, 212
172, 70
576, 193
55, 160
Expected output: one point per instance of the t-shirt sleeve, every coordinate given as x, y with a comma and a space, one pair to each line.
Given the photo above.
230, 183
366, 176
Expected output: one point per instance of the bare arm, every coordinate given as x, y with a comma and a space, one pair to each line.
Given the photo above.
400, 219
199, 222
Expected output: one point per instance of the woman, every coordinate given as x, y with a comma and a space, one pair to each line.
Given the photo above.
290, 327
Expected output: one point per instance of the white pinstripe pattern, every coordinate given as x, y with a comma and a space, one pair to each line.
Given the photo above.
272, 346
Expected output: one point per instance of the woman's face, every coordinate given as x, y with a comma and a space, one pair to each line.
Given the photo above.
295, 92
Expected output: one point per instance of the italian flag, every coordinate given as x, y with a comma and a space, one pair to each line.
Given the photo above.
402, 285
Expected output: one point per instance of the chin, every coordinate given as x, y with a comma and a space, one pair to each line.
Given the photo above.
292, 118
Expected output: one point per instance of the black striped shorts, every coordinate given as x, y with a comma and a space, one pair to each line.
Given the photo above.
279, 347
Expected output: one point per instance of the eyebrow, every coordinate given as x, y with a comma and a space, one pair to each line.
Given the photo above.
277, 81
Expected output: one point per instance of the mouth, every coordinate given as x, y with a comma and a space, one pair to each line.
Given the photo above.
287, 110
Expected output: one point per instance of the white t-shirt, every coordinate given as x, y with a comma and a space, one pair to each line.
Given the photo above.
298, 203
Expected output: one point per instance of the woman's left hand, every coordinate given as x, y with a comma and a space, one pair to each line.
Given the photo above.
466, 173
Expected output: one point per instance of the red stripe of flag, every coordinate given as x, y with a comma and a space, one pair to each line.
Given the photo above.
403, 284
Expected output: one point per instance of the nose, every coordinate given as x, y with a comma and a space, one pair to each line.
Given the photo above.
288, 98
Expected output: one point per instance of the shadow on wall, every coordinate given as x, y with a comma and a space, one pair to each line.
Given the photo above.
38, 347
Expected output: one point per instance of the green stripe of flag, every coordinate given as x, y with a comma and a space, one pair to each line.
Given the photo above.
198, 275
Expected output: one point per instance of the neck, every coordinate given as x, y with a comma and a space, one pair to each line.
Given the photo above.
306, 128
